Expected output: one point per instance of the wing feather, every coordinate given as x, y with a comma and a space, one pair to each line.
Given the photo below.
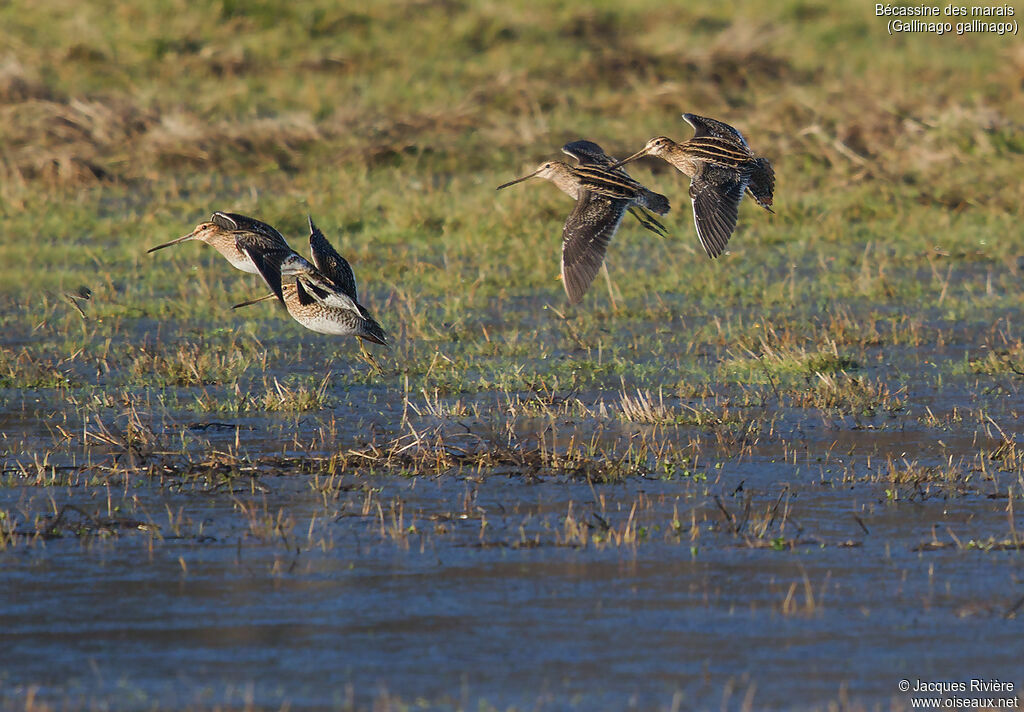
268, 262
335, 267
704, 126
310, 280
267, 236
716, 195
585, 238
594, 163
588, 153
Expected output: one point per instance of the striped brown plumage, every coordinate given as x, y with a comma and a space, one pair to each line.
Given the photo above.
721, 167
602, 198
322, 296
224, 231
588, 153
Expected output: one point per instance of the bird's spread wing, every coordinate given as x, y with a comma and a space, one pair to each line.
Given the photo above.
703, 126
585, 239
268, 262
315, 284
594, 162
588, 153
242, 223
335, 267
228, 221
716, 194
326, 293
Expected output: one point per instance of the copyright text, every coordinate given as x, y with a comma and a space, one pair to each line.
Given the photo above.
975, 693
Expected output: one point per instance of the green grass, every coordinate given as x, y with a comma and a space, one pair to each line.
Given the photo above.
853, 360
895, 227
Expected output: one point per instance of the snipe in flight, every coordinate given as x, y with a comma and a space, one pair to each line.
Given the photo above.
223, 232
321, 296
602, 198
588, 153
721, 166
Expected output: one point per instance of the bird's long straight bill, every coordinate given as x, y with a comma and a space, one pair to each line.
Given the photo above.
639, 154
183, 238
517, 180
255, 301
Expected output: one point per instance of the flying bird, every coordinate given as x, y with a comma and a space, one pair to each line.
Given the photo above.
602, 198
321, 296
721, 167
223, 232
588, 153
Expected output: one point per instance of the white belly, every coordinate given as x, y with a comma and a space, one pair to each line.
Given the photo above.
323, 324
241, 261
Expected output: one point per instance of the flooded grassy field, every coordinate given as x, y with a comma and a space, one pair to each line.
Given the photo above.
789, 478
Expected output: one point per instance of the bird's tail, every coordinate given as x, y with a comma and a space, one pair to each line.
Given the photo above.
762, 183
655, 202
372, 331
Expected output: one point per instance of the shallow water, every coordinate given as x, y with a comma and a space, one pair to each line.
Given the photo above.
777, 568
451, 611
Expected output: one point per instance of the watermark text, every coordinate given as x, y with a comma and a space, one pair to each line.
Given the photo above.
949, 19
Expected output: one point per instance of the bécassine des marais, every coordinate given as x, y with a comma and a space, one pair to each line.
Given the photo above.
885, 10
912, 24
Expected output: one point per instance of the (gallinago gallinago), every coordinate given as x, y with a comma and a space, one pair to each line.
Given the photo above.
588, 153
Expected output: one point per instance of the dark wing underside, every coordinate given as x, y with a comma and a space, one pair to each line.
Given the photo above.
703, 126
716, 194
588, 153
268, 262
335, 267
585, 238
304, 298
316, 284
266, 236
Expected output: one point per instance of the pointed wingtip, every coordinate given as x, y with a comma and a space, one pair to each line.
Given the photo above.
224, 220
312, 225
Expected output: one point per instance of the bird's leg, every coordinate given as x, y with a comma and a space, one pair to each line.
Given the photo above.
649, 221
368, 357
